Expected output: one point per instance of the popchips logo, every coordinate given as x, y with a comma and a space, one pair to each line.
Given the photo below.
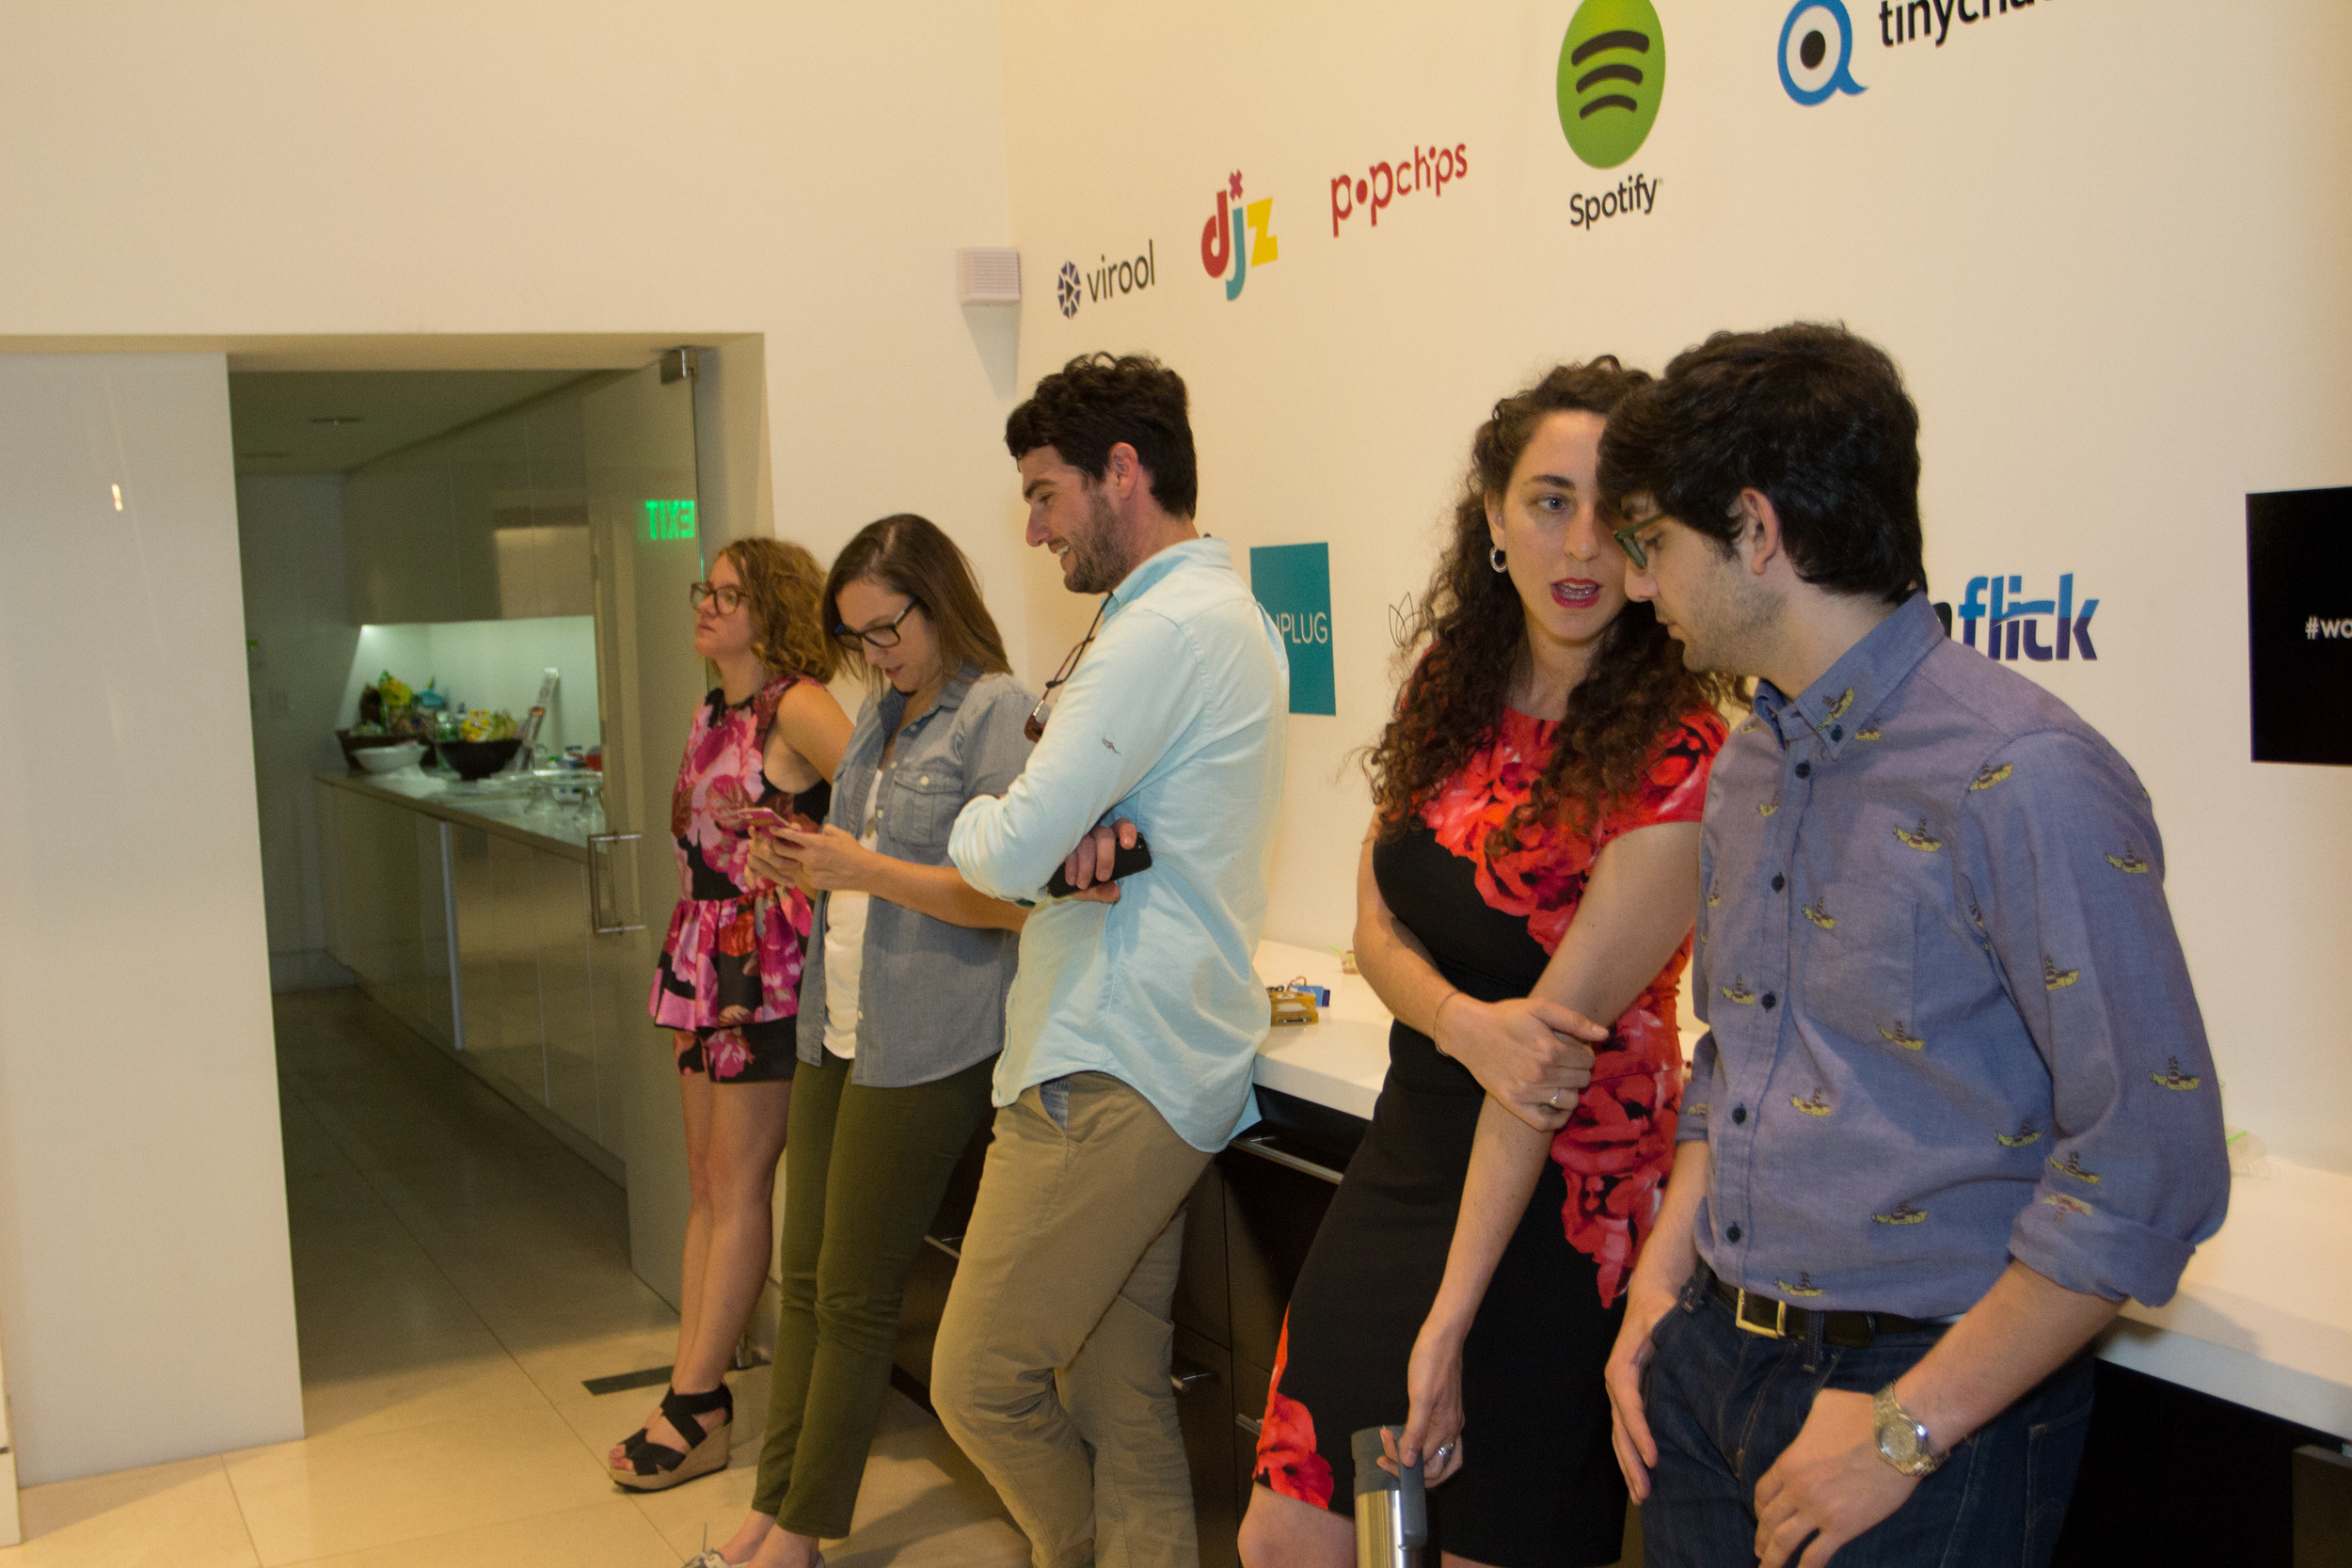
1612, 72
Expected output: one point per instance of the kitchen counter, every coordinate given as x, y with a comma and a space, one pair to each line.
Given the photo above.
2263, 1315
494, 804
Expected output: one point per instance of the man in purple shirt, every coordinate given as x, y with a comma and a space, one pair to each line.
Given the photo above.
1955, 1102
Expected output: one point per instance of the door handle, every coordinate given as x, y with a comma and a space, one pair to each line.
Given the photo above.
1182, 1375
599, 848
1264, 1147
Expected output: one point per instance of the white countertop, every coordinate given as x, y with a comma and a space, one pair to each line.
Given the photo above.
2263, 1315
498, 803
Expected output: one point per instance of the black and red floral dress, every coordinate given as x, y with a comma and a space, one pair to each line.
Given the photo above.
728, 983
1540, 1485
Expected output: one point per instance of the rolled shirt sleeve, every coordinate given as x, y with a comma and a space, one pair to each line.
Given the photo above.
1130, 697
2066, 875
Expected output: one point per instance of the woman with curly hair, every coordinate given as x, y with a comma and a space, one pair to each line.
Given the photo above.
727, 985
1532, 864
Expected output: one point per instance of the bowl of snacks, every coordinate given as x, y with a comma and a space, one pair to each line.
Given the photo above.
478, 759
386, 759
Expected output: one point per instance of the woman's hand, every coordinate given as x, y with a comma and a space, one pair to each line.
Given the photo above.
828, 861
1533, 1056
1432, 1425
770, 864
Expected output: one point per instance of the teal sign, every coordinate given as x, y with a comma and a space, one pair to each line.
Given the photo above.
669, 520
1294, 582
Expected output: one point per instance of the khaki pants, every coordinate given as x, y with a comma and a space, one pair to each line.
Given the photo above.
1051, 1363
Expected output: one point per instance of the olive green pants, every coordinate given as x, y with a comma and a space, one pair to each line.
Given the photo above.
863, 1169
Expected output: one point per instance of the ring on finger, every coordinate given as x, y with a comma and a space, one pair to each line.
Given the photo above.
1555, 1100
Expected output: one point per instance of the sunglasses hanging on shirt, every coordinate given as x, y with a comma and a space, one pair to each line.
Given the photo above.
1035, 727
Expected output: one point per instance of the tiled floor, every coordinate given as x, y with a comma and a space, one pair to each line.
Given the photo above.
457, 1274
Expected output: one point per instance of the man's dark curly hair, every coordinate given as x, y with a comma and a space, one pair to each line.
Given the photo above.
1813, 418
1099, 400
1475, 632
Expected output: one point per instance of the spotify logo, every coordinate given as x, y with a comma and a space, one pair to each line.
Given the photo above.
1612, 72
1815, 50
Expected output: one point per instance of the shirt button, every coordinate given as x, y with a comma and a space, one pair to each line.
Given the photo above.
1779, 881
925, 779
1732, 1234
1805, 770
1739, 1113
1770, 1002
1837, 732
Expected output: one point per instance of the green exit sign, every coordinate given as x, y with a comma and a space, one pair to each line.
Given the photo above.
669, 520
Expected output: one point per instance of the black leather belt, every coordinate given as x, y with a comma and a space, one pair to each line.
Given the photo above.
1777, 1320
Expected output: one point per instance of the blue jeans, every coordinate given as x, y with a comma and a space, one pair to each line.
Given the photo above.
1722, 1404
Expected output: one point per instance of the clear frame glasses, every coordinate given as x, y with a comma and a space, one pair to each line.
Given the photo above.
883, 636
730, 598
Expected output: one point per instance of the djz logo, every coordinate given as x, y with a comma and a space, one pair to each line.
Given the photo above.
1066, 289
1226, 250
2015, 624
1816, 52
1612, 72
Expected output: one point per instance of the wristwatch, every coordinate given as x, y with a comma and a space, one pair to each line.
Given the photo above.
1902, 1440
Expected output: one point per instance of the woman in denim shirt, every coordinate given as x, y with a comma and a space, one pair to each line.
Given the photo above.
901, 1016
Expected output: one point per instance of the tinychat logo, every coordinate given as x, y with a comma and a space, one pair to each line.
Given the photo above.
1816, 52
1612, 72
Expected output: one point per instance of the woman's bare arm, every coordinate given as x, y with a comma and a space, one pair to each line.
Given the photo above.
811, 726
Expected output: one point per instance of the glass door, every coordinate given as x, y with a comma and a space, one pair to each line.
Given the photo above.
648, 550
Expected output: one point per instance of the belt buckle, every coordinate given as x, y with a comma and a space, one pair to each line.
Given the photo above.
1779, 1329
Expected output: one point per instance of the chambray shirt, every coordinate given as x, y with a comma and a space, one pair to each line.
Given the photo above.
931, 995
1176, 718
1950, 1022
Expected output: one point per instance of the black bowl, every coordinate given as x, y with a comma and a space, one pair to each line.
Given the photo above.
478, 759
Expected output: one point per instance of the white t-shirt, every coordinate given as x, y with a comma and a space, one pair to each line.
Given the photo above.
845, 943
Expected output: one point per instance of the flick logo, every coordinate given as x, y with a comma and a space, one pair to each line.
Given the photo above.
1227, 250
1612, 72
2013, 625
1816, 52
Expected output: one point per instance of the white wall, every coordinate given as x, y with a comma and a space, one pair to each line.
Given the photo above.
145, 1289
696, 170
2107, 243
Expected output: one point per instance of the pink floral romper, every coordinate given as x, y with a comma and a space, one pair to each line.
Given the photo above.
728, 982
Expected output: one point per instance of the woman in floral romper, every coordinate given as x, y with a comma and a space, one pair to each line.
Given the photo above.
727, 985
1532, 864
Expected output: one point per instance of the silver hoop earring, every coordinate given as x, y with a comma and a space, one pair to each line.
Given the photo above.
1494, 559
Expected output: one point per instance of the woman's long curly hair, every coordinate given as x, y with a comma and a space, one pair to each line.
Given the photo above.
1473, 628
784, 584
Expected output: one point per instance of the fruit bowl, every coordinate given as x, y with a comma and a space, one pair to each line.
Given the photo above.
386, 759
478, 759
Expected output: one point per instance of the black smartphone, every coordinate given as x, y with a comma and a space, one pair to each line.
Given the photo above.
1126, 862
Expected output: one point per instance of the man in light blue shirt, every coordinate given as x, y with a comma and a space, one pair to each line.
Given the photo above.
1135, 1014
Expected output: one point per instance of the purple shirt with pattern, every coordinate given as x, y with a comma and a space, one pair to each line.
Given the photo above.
1950, 1024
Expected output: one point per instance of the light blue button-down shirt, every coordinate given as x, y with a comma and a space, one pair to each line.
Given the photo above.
1950, 1024
1175, 719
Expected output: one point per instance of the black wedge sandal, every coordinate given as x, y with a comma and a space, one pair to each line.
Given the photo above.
653, 1466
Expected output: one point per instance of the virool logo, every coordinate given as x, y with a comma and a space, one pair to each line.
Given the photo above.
1816, 52
1066, 291
1612, 72
1226, 249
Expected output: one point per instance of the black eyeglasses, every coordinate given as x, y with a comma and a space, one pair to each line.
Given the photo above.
730, 598
883, 636
1035, 727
